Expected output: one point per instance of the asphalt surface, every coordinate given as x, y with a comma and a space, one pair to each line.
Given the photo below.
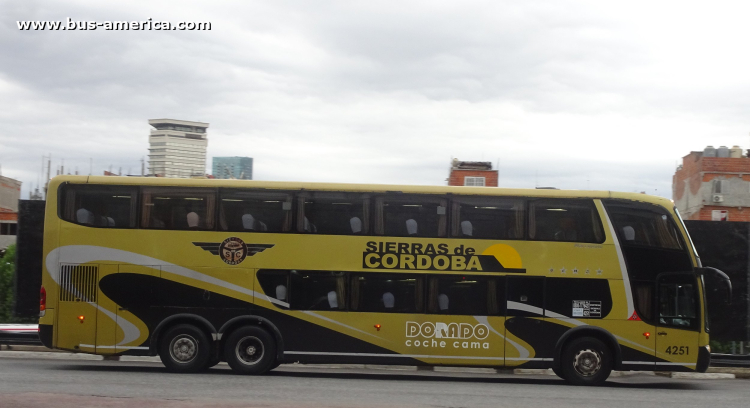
67, 383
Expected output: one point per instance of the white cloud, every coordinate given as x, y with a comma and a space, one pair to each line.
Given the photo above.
578, 94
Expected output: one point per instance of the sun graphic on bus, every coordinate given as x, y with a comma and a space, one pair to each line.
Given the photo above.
506, 255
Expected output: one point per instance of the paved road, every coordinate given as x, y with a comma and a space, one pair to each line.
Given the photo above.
63, 383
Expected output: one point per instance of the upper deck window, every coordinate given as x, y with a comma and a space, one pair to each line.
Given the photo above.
644, 225
411, 216
333, 213
488, 217
98, 206
569, 220
255, 211
175, 208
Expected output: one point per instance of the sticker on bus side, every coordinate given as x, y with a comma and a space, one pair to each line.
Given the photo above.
587, 308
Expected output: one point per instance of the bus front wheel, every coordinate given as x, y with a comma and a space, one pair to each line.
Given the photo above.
586, 361
184, 348
250, 350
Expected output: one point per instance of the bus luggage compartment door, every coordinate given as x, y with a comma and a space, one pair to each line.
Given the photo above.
134, 284
678, 326
77, 313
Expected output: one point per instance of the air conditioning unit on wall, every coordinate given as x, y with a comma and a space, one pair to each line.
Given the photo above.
717, 198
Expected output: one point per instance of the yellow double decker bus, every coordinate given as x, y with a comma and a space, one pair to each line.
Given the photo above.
262, 273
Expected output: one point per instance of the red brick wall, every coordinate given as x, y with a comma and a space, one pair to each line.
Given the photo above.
735, 214
8, 216
694, 163
457, 177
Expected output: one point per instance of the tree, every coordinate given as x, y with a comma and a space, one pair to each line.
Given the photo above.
7, 268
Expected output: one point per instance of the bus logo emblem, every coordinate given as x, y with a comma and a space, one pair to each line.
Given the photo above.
232, 250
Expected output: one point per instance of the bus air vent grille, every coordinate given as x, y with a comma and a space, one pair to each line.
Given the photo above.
78, 283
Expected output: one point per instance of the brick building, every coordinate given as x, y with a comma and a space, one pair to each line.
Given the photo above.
713, 184
477, 174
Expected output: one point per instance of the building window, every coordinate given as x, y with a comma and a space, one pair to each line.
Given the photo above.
8, 229
474, 181
721, 186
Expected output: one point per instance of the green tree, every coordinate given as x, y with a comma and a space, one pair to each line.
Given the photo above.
7, 267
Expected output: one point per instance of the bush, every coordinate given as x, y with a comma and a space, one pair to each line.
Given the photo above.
7, 269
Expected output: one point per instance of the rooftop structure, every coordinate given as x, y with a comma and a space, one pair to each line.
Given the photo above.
469, 173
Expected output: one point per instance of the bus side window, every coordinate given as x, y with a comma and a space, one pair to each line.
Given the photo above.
317, 290
411, 216
275, 283
394, 293
333, 213
566, 220
99, 206
464, 295
255, 211
175, 208
488, 217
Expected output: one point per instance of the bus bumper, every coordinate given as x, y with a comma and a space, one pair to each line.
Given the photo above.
704, 359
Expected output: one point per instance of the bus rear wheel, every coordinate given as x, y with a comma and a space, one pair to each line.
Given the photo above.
184, 348
250, 350
586, 361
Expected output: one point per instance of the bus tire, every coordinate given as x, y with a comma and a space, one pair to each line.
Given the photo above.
250, 350
586, 361
184, 348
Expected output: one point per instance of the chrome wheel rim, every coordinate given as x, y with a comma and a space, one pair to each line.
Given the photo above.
249, 350
587, 362
183, 349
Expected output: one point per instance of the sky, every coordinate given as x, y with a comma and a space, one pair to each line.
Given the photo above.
570, 94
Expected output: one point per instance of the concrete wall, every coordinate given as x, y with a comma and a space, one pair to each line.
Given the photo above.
10, 192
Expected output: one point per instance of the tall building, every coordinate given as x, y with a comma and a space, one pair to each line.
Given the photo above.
10, 192
177, 148
476, 174
713, 184
236, 167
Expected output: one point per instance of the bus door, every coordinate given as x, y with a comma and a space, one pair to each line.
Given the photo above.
525, 339
76, 313
678, 324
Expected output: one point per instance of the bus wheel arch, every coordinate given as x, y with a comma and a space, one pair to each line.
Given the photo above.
251, 320
598, 333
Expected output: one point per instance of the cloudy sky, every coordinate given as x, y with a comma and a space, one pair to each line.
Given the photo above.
571, 94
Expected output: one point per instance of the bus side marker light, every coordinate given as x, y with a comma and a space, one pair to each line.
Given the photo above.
646, 335
377, 327
80, 318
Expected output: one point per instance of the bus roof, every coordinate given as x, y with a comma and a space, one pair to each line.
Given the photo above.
374, 188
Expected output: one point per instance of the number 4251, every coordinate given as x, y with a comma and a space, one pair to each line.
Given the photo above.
680, 351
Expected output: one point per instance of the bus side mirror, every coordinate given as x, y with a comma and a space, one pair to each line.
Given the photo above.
717, 281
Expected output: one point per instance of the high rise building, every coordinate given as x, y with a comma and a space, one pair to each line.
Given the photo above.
177, 148
475, 174
233, 168
713, 185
